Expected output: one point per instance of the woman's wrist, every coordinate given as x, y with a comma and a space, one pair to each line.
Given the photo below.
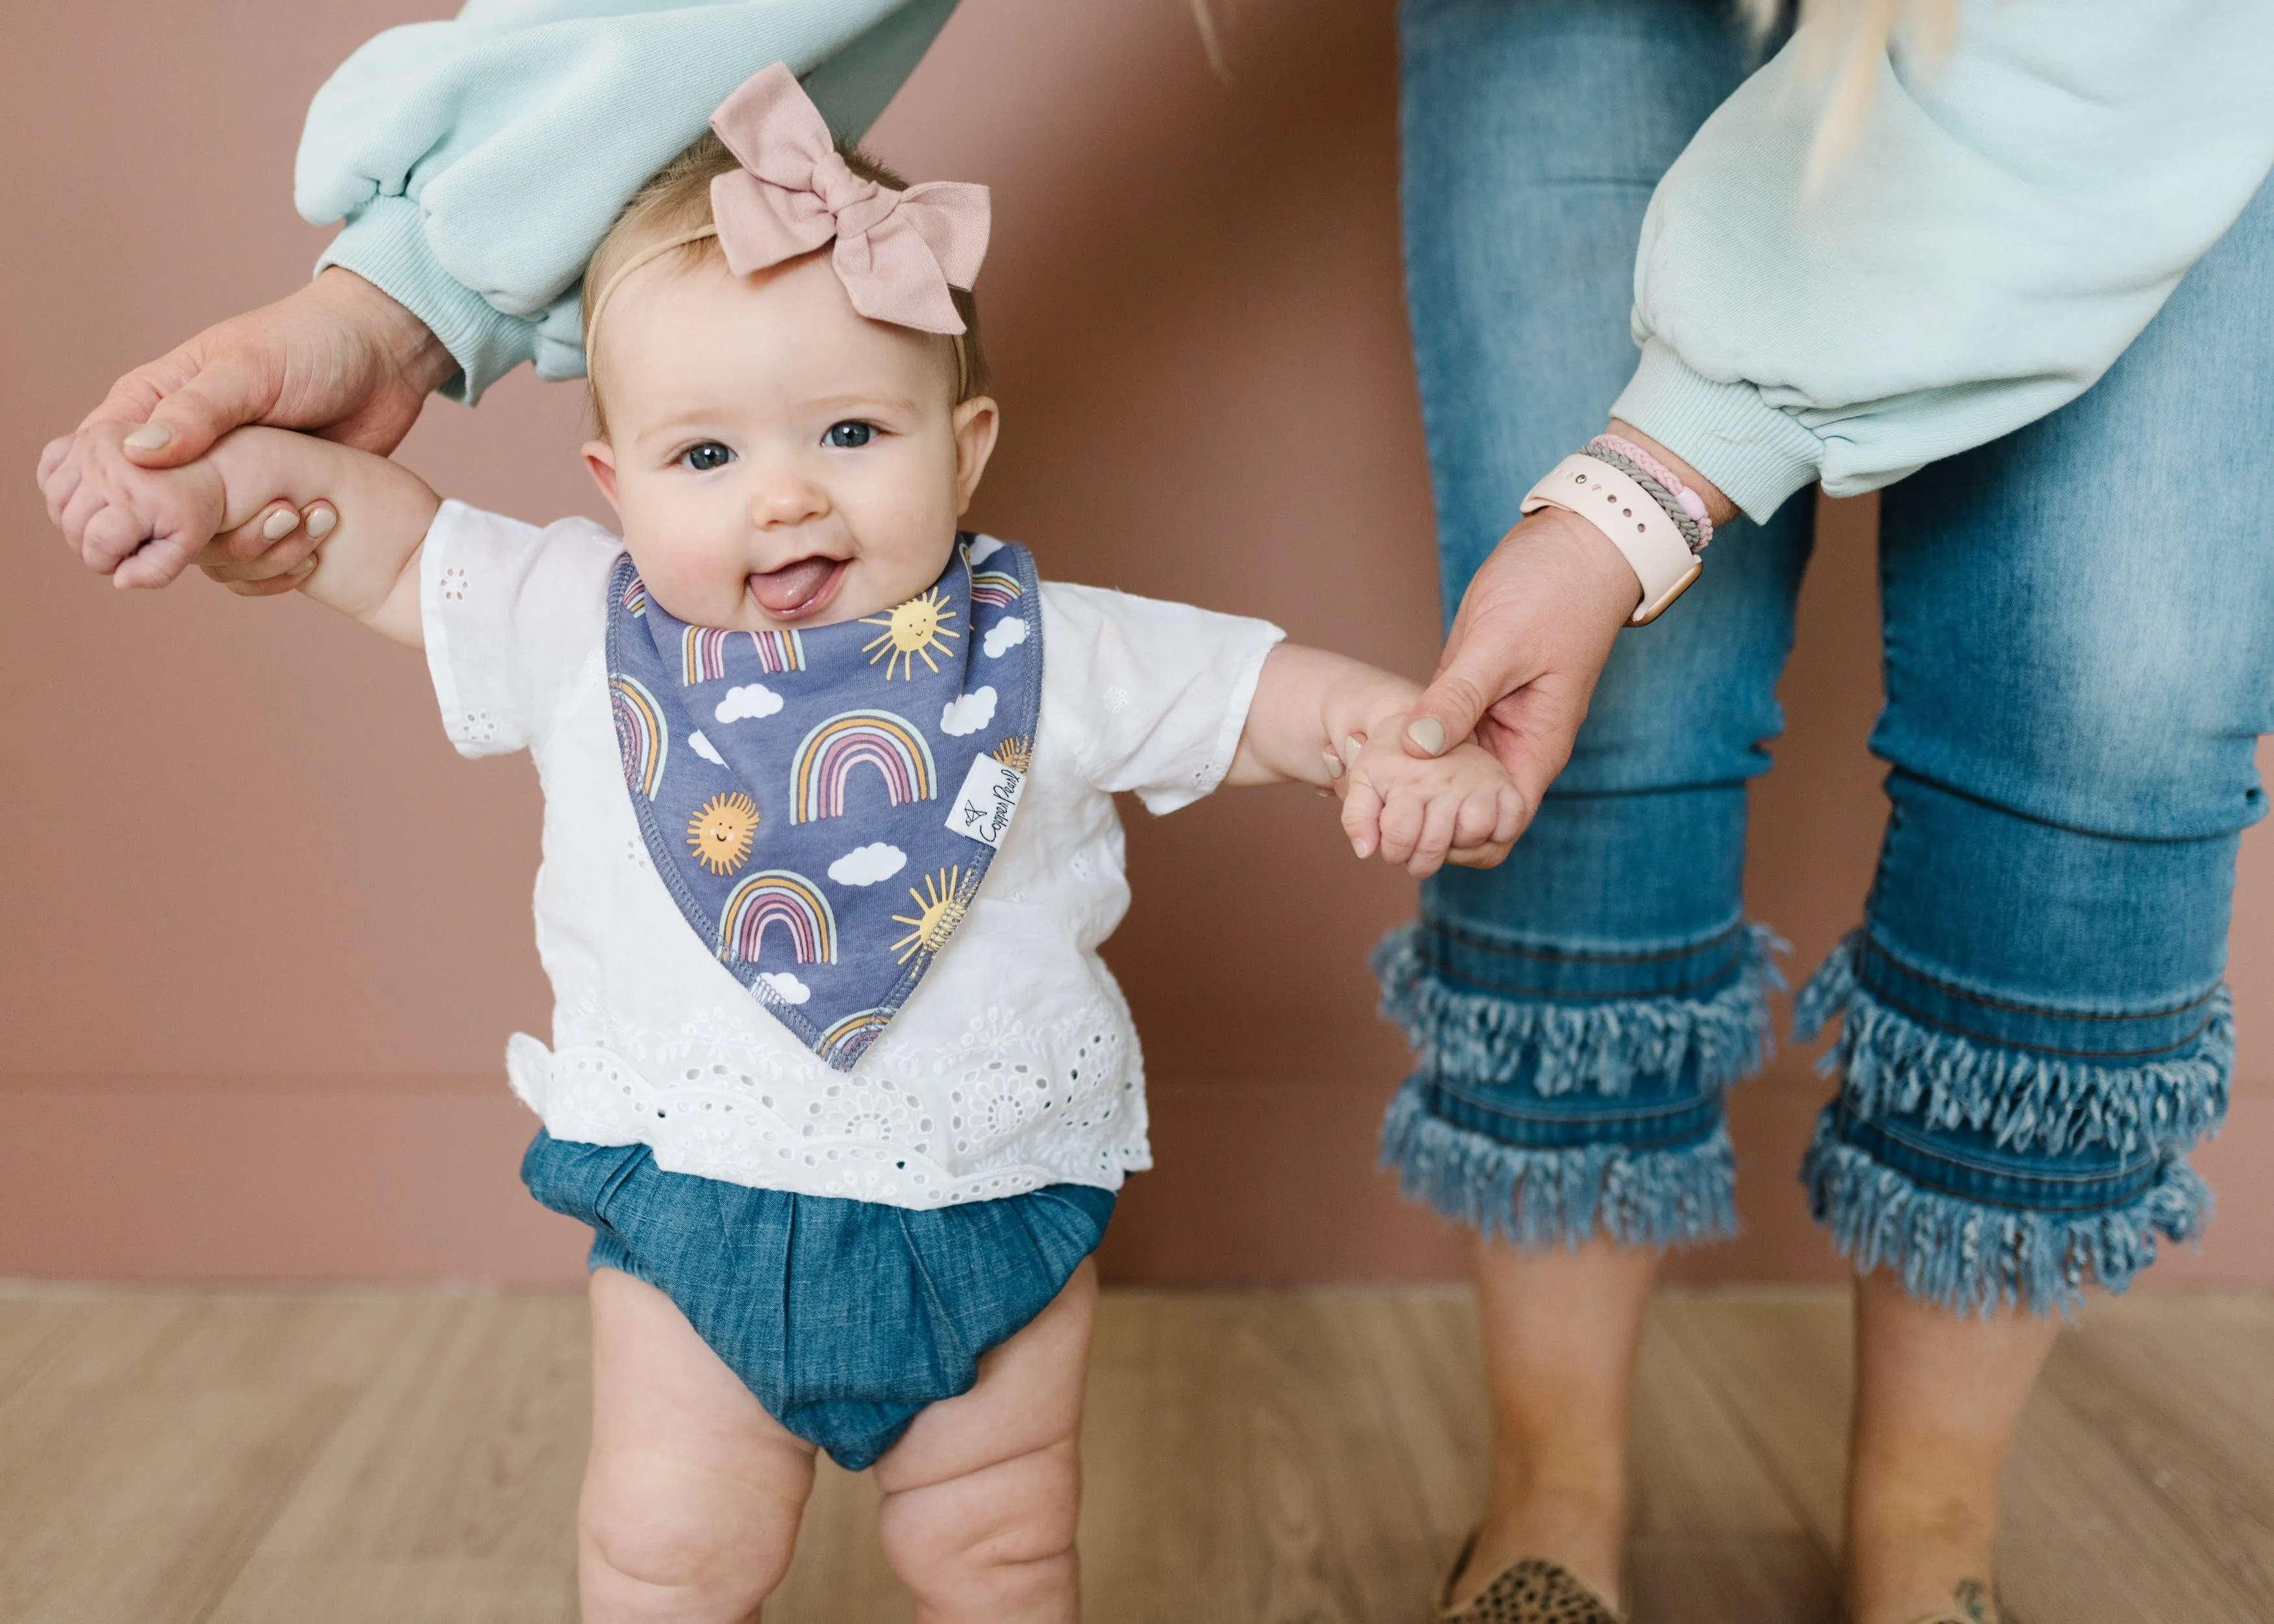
405, 345
1604, 583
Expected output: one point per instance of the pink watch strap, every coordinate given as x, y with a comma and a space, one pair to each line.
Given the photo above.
1630, 519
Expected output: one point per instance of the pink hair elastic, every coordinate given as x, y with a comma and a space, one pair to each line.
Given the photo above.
1692, 504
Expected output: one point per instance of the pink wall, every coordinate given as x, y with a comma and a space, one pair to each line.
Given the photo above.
266, 933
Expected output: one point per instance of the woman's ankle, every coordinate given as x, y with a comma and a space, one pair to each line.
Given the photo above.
1969, 1600
1582, 1530
1905, 1566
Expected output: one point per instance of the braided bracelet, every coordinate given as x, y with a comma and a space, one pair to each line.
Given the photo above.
1657, 493
1682, 504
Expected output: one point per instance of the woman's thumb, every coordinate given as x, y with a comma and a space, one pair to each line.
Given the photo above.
184, 426
1447, 713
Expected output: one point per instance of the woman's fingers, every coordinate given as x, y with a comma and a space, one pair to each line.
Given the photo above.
275, 586
273, 542
1489, 856
1486, 829
1510, 813
251, 541
1474, 817
251, 564
283, 558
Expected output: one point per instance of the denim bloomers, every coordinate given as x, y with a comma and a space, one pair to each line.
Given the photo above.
2079, 633
843, 1318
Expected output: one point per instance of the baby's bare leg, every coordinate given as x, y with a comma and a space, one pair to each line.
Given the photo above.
981, 1495
693, 1492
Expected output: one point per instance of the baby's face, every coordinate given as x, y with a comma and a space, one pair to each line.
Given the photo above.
776, 458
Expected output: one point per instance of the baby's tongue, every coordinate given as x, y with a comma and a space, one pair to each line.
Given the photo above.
792, 587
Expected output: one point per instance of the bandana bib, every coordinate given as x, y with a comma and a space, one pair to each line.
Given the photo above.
823, 803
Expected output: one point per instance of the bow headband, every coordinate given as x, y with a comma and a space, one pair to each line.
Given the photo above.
898, 252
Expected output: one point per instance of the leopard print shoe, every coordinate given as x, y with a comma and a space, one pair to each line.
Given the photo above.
1533, 1590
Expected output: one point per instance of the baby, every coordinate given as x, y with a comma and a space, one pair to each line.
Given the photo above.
838, 1079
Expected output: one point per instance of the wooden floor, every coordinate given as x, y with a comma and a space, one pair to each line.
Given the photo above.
1299, 1458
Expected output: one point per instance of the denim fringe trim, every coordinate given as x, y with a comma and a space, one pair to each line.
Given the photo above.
1969, 1258
1892, 1065
1536, 1198
1601, 1046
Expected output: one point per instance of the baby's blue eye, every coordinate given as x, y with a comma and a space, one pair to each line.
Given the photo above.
848, 436
706, 456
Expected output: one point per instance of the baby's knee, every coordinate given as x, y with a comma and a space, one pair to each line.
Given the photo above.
646, 1562
991, 1539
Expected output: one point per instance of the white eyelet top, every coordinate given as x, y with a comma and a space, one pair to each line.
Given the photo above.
1012, 1066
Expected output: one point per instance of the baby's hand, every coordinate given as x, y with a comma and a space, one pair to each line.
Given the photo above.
141, 526
1459, 807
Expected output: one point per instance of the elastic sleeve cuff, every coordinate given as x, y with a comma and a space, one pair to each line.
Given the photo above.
1757, 454
384, 243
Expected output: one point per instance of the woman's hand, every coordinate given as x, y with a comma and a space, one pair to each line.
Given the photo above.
1533, 632
338, 358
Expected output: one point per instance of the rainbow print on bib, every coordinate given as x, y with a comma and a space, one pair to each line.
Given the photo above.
820, 772
823, 803
778, 897
641, 737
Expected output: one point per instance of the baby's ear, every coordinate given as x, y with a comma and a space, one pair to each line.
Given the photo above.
974, 424
600, 457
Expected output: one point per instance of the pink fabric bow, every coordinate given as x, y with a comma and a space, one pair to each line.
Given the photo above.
898, 252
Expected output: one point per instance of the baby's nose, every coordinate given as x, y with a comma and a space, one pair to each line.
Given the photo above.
785, 496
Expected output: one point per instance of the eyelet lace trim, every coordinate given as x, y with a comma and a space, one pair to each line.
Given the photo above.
1008, 1109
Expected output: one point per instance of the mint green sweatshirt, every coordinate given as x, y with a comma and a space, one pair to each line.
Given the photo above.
2010, 220
479, 162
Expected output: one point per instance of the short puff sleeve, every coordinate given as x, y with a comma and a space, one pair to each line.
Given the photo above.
513, 615
1156, 693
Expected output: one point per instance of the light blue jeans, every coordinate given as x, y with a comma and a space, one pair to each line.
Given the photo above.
2079, 624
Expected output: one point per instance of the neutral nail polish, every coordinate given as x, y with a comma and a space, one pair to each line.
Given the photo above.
1350, 748
321, 523
304, 567
149, 437
280, 524
1335, 768
1428, 733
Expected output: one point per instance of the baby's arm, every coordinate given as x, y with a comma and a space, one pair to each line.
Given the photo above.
1321, 719
366, 566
